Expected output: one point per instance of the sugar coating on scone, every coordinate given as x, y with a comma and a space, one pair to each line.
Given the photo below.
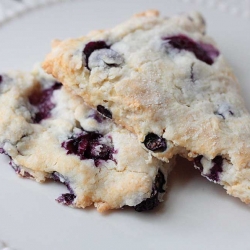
166, 81
49, 133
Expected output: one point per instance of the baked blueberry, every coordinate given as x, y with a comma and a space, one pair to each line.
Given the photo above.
105, 112
42, 101
153, 201
91, 47
89, 145
148, 204
216, 169
155, 143
204, 52
99, 54
159, 182
197, 162
66, 199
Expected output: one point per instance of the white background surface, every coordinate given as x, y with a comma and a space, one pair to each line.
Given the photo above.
196, 214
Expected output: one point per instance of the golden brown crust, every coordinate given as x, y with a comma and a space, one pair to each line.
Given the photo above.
195, 106
37, 148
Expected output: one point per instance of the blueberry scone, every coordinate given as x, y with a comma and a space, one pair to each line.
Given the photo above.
166, 81
49, 133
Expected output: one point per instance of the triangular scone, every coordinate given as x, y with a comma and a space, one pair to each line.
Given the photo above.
50, 133
165, 80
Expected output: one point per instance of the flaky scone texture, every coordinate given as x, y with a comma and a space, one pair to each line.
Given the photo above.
49, 133
166, 81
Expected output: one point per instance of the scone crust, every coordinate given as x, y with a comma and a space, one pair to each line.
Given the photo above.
36, 149
196, 107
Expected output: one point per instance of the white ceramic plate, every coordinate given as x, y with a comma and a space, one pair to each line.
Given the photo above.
196, 214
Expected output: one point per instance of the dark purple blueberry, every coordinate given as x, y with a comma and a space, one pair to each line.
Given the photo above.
91, 47
42, 100
105, 112
98, 151
71, 146
104, 56
216, 169
159, 182
197, 162
2, 151
66, 199
83, 145
148, 204
204, 52
89, 145
155, 143
56, 86
153, 201
1, 78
